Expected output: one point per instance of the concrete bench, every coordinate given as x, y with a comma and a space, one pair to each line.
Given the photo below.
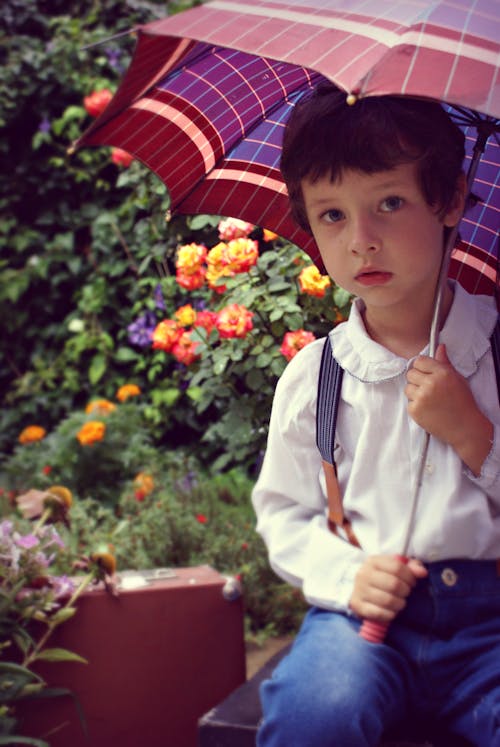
233, 723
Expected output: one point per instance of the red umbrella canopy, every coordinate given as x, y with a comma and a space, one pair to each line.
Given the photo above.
208, 92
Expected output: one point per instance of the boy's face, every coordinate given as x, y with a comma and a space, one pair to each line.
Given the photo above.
377, 236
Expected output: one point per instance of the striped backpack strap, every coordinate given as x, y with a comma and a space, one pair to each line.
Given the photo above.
495, 349
327, 406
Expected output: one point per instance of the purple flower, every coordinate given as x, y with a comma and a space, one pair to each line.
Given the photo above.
51, 537
159, 300
27, 542
44, 125
113, 56
6, 529
140, 332
63, 586
188, 482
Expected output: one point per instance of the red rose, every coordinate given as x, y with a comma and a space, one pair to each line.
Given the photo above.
121, 157
97, 101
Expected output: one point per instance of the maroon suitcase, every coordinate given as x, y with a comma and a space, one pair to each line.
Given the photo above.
159, 656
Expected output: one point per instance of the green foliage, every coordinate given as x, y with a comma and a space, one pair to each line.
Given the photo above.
190, 518
53, 204
98, 469
85, 252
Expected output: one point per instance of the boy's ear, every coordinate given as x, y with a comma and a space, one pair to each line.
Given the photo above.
456, 209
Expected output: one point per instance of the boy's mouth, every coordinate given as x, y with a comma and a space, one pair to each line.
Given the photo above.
370, 276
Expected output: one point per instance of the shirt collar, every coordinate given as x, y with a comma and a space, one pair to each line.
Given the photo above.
465, 333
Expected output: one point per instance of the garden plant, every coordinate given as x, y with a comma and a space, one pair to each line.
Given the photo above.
140, 351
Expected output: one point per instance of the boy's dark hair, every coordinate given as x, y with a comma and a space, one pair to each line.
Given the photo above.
324, 136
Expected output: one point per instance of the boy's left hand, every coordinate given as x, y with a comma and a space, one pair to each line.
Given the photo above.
441, 402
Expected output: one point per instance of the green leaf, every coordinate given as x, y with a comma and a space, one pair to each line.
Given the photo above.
65, 613
97, 368
254, 379
220, 366
263, 360
195, 393
125, 355
13, 680
278, 284
166, 397
60, 654
341, 297
198, 222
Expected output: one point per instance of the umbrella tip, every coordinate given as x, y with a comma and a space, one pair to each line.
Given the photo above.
352, 97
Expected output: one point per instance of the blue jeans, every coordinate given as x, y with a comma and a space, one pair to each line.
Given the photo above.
441, 657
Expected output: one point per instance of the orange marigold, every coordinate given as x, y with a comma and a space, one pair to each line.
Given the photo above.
126, 391
234, 320
32, 433
295, 341
144, 482
312, 282
100, 406
91, 432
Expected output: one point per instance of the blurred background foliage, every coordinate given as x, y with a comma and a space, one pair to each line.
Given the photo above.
85, 252
75, 229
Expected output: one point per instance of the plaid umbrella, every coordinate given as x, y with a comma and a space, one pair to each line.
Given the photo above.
209, 90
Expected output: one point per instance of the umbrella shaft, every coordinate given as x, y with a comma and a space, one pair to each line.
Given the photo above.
433, 338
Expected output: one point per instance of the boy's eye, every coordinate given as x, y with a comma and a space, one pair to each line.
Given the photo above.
391, 203
332, 216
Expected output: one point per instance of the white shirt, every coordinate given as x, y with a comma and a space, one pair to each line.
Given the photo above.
377, 454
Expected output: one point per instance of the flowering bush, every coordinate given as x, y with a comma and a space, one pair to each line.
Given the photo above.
169, 513
92, 457
222, 330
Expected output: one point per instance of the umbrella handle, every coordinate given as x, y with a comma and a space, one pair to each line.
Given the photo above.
375, 632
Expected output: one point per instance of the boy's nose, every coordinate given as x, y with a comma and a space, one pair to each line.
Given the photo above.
364, 237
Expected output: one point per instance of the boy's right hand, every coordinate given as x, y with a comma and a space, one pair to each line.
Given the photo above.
382, 585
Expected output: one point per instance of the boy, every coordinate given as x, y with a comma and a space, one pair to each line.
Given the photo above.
379, 184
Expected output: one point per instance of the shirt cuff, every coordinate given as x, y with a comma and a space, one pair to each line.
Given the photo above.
489, 477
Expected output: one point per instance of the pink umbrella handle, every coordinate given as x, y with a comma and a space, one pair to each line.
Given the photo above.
375, 632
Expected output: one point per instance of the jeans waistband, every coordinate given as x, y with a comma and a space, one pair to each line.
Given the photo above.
457, 576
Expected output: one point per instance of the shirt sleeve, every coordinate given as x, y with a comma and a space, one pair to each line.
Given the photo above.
489, 478
289, 500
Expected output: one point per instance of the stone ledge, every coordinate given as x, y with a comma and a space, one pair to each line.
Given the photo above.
233, 723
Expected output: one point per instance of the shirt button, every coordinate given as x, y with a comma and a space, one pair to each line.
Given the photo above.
429, 468
449, 577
